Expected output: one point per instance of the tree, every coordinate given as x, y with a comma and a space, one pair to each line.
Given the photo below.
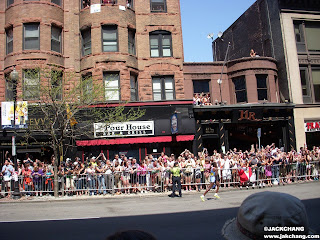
68, 103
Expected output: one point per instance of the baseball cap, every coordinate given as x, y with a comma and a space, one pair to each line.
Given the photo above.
266, 209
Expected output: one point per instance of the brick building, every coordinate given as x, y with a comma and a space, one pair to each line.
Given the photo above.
134, 48
288, 31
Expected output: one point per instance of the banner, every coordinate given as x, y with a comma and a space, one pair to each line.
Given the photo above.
20, 115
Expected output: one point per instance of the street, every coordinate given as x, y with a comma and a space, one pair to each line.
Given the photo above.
179, 218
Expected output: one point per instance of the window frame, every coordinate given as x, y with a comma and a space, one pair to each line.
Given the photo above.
158, 35
9, 94
302, 45
59, 4
58, 96
54, 40
163, 92
108, 1
9, 3
131, 4
312, 83
264, 88
35, 86
308, 97
110, 29
87, 89
83, 43
131, 41
237, 91
88, 4
159, 5
112, 89
24, 36
202, 81
134, 88
9, 42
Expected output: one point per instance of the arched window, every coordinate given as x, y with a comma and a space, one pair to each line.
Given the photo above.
160, 44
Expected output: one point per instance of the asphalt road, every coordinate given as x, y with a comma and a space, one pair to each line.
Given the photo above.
179, 218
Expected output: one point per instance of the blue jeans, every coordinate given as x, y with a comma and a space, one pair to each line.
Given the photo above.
102, 184
91, 186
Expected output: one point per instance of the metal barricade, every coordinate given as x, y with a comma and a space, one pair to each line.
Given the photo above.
136, 181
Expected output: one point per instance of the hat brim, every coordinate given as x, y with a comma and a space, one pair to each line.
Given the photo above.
231, 231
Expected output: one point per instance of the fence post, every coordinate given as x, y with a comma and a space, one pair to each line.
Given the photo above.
112, 183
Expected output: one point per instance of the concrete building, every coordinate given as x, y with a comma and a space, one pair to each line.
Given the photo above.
288, 31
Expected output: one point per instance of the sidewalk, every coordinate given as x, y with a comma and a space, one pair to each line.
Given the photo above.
50, 198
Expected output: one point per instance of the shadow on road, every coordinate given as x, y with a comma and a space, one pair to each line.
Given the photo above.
187, 225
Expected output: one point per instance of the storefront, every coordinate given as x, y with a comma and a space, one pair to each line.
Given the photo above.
152, 134
236, 126
312, 129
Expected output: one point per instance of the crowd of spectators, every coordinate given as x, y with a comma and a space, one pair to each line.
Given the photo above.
125, 175
202, 99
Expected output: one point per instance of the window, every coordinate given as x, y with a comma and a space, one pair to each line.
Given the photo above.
201, 86
160, 44
316, 84
307, 35
134, 88
109, 38
163, 88
9, 2
304, 85
108, 1
111, 85
31, 84
86, 41
31, 35
85, 3
240, 89
158, 5
313, 35
130, 4
58, 2
131, 42
87, 86
9, 88
56, 39
310, 84
56, 85
9, 34
262, 87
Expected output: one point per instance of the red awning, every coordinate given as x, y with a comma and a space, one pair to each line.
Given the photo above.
119, 141
183, 138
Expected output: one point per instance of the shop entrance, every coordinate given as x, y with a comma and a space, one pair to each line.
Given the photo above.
313, 139
211, 144
242, 136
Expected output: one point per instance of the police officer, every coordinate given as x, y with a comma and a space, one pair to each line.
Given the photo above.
176, 179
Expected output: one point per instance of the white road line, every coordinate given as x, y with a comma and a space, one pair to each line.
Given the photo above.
53, 219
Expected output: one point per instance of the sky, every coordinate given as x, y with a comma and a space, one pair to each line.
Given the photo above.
201, 17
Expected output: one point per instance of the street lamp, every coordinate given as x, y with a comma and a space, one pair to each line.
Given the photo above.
214, 44
14, 75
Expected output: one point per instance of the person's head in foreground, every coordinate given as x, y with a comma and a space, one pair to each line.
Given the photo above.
131, 235
263, 212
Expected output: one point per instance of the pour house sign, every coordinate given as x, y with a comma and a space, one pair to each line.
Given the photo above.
124, 129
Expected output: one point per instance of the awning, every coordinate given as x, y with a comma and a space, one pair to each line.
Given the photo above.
119, 141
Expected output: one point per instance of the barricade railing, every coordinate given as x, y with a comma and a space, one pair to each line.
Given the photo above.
136, 181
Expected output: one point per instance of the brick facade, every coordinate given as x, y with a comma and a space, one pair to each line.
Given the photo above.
72, 19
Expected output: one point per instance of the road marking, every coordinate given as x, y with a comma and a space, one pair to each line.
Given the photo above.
54, 219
